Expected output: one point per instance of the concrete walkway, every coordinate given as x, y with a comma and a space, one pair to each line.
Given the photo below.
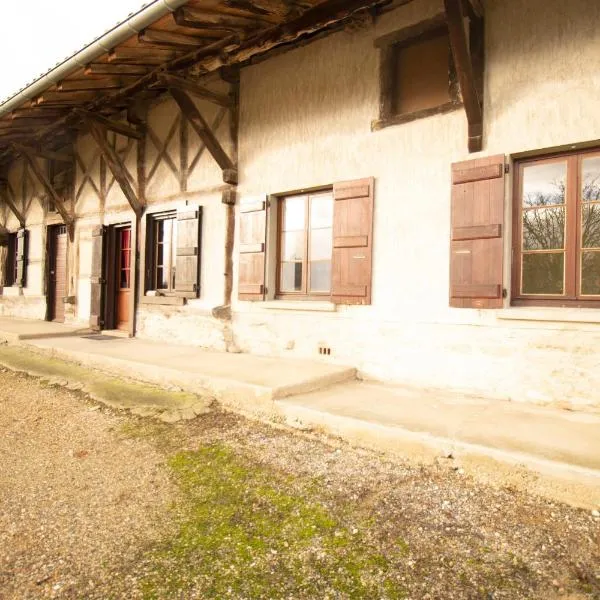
553, 452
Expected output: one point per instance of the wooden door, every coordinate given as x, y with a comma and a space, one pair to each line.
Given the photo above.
123, 273
57, 288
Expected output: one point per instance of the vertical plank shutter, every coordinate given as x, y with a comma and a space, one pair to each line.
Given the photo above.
187, 264
97, 278
476, 261
253, 237
351, 268
22, 247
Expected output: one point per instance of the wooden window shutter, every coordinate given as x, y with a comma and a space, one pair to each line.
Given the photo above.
22, 248
253, 238
97, 278
352, 242
476, 253
187, 264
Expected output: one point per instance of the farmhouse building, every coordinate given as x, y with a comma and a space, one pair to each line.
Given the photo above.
410, 187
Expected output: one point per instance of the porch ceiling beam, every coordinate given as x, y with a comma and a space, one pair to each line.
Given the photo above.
45, 153
116, 126
115, 164
5, 196
205, 133
48, 187
189, 85
116, 69
84, 85
465, 72
197, 18
142, 56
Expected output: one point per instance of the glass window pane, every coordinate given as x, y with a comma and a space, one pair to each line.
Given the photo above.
320, 276
590, 226
544, 229
543, 273
545, 184
160, 231
294, 213
291, 277
321, 211
590, 179
293, 245
161, 279
590, 273
321, 244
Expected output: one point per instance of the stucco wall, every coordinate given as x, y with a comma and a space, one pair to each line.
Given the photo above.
305, 122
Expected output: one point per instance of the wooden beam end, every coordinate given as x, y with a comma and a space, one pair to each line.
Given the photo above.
230, 176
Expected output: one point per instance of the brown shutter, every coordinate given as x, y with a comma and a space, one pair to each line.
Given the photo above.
253, 237
97, 277
352, 242
187, 265
22, 247
477, 232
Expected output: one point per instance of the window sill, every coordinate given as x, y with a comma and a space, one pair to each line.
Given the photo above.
164, 300
551, 314
300, 305
413, 116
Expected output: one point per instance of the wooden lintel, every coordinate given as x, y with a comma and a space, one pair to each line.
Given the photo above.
115, 164
195, 88
167, 38
6, 198
205, 133
48, 187
464, 70
116, 126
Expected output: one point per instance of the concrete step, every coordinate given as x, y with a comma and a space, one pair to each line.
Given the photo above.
547, 451
17, 330
241, 381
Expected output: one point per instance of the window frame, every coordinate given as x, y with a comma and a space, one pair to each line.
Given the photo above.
389, 46
304, 294
152, 252
572, 245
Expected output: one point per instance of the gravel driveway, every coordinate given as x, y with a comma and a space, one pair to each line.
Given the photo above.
88, 494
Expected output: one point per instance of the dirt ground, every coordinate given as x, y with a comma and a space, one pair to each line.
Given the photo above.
98, 504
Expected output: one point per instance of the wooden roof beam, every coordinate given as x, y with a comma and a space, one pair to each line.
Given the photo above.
142, 56
205, 19
116, 69
116, 126
190, 85
115, 164
167, 38
205, 133
84, 85
48, 187
466, 75
4, 195
64, 157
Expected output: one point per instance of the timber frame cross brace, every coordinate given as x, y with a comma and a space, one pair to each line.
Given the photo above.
29, 155
98, 131
5, 196
205, 133
468, 60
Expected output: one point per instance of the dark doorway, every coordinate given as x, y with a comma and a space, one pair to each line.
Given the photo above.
57, 272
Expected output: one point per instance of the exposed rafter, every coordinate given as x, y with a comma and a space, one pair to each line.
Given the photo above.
81, 85
166, 38
205, 133
48, 187
115, 164
5, 196
45, 153
464, 69
116, 69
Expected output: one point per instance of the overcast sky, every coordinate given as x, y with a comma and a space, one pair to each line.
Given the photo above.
36, 34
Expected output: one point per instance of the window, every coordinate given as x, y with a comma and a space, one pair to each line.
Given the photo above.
163, 248
11, 275
305, 243
417, 74
557, 231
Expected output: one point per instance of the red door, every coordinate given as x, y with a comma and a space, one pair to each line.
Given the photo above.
123, 277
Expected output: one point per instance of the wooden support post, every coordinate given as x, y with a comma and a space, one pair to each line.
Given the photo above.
49, 189
7, 199
464, 69
114, 163
205, 133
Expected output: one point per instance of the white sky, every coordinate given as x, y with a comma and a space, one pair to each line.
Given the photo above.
36, 34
